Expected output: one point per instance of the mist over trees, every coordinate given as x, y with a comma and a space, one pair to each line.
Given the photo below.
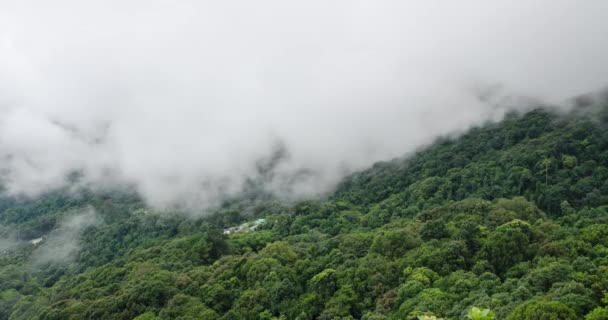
509, 221
332, 160
181, 101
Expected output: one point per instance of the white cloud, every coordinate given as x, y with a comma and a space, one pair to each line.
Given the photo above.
63, 243
179, 98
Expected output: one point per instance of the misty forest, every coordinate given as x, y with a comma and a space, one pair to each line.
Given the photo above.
508, 221
304, 160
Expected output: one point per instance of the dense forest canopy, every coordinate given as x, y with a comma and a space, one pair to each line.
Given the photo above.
508, 221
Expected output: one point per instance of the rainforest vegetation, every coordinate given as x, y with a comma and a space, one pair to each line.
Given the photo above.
507, 221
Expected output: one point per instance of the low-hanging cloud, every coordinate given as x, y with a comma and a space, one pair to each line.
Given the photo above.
186, 100
63, 244
8, 241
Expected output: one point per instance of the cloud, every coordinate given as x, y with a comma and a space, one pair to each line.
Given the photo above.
7, 244
63, 243
185, 100
8, 239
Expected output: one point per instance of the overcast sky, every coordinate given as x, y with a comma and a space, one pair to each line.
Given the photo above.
183, 98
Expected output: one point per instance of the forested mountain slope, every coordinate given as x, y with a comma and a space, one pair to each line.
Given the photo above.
511, 217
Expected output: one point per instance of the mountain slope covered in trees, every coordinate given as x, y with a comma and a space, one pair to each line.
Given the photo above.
510, 217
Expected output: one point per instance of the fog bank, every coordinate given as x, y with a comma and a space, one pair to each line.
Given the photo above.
187, 100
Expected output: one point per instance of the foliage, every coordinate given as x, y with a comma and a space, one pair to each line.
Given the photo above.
480, 314
511, 217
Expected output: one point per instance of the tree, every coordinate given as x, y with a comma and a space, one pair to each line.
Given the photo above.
480, 314
597, 314
183, 307
507, 245
542, 310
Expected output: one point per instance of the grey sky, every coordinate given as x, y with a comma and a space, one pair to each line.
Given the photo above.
179, 97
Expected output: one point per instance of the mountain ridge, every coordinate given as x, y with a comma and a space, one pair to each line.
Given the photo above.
511, 217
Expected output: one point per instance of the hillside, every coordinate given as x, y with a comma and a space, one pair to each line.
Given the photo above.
511, 217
